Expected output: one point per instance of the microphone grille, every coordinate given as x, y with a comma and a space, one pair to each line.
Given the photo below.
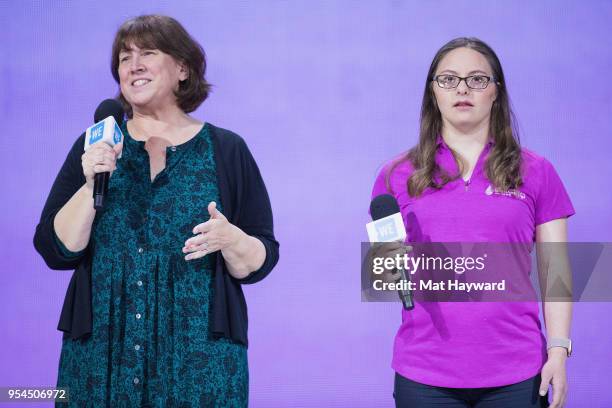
382, 206
109, 107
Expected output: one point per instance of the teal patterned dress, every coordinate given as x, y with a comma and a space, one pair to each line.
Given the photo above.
151, 344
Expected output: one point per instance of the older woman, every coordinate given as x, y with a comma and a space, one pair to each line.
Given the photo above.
154, 314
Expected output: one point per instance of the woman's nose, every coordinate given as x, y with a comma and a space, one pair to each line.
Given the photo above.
462, 88
136, 64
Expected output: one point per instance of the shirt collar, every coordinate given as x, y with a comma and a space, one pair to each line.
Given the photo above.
447, 161
440, 141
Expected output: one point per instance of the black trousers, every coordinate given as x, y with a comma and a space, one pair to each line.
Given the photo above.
411, 394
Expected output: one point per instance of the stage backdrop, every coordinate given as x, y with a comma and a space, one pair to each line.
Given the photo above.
323, 92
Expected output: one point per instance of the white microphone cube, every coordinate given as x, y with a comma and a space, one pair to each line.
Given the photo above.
107, 131
387, 229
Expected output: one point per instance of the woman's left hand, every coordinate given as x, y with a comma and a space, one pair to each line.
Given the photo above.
213, 235
554, 373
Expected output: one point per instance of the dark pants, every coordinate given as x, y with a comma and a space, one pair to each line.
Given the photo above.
411, 394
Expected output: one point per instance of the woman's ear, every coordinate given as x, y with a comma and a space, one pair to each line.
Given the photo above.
183, 72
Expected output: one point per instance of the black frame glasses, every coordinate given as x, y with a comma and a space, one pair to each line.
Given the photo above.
468, 81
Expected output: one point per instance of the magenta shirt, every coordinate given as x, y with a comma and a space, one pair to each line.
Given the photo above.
475, 344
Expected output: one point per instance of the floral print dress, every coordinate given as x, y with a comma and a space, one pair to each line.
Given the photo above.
151, 345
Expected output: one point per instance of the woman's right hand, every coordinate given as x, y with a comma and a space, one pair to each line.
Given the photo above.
389, 250
98, 159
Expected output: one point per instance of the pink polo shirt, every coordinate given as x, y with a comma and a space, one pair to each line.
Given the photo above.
474, 344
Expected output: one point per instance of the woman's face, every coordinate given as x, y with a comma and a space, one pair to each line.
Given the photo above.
462, 107
148, 78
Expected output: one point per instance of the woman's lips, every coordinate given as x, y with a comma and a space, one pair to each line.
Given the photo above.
463, 105
140, 82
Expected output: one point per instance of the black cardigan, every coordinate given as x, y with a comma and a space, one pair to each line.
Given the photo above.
245, 203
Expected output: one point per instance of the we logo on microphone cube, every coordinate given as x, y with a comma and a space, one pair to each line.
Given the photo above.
107, 131
96, 133
387, 229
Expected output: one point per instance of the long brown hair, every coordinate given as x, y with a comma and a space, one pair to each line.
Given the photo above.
504, 160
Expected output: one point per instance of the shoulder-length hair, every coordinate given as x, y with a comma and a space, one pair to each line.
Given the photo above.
169, 36
503, 162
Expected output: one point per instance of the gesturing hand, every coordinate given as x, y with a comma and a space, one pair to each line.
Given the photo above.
213, 235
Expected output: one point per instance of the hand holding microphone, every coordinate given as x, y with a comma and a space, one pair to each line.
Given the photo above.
387, 233
99, 158
103, 144
390, 250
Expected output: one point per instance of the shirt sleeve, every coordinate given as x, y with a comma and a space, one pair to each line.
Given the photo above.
256, 213
68, 254
552, 201
69, 179
392, 178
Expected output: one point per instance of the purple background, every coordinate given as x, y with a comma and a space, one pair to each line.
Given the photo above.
324, 92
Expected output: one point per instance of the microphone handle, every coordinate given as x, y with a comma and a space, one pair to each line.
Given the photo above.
100, 189
405, 295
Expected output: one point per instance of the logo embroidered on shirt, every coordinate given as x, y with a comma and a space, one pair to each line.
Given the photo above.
510, 193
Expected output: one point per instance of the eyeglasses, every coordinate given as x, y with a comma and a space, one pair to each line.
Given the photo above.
448, 81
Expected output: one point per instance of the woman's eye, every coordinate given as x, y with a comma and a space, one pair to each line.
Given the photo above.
478, 78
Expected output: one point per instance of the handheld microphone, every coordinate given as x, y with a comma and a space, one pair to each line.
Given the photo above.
388, 226
107, 118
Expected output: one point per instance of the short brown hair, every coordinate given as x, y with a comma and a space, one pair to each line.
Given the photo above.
169, 36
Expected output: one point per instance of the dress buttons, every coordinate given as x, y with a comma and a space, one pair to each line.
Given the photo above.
138, 316
136, 380
137, 347
139, 283
140, 250
173, 148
